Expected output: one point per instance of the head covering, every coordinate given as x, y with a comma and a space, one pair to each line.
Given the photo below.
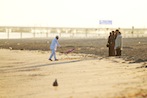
117, 30
57, 37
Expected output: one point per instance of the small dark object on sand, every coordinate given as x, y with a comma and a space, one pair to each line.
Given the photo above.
55, 83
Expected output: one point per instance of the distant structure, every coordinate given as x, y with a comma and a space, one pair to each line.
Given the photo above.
69, 32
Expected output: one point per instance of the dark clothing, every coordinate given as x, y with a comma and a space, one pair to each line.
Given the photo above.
111, 44
118, 52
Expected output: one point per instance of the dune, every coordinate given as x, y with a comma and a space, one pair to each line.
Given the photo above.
29, 74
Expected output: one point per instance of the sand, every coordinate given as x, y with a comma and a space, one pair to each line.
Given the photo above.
133, 48
29, 74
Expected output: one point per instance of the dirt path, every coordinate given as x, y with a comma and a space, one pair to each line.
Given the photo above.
28, 74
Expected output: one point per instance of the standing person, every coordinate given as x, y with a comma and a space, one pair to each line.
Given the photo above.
115, 33
118, 43
111, 43
53, 48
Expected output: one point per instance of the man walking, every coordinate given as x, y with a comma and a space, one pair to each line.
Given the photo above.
53, 48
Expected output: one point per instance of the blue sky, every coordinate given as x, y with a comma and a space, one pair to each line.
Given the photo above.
73, 13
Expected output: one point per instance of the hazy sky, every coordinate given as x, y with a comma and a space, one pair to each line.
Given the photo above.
73, 13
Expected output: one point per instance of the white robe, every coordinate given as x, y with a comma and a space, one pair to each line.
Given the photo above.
118, 42
54, 44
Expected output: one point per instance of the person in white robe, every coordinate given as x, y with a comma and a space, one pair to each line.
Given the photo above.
118, 43
53, 48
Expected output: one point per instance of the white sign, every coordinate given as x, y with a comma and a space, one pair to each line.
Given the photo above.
107, 22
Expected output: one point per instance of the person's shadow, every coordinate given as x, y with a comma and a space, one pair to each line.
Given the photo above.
7, 69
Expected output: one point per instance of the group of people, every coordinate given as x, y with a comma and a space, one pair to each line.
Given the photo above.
115, 43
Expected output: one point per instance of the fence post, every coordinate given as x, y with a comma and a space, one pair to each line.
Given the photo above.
21, 35
8, 31
132, 31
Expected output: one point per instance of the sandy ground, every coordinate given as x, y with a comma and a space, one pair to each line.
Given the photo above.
29, 74
133, 48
